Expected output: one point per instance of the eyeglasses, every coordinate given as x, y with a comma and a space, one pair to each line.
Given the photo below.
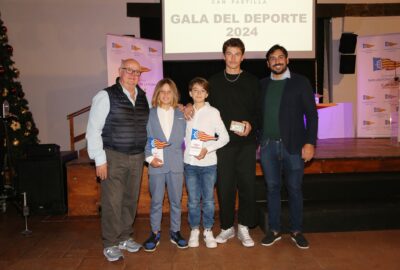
132, 71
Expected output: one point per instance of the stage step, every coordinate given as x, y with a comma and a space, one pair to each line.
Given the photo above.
329, 216
342, 202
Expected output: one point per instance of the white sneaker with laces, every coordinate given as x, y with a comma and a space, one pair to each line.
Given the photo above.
194, 238
209, 239
244, 236
224, 235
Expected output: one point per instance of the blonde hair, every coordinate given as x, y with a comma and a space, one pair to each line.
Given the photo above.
155, 101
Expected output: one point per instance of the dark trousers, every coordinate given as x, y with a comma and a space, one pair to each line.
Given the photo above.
236, 172
119, 196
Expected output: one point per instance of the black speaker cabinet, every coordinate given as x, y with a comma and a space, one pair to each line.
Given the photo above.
347, 63
43, 181
348, 43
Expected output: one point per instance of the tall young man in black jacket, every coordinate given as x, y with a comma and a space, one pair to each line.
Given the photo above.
234, 92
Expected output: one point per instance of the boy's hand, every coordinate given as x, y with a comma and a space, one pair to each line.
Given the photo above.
202, 154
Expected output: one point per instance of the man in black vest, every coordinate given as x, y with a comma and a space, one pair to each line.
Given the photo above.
288, 137
116, 137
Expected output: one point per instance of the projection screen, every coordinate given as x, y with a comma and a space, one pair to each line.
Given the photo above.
196, 29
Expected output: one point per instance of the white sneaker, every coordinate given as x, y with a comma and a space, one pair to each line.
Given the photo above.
224, 235
194, 238
244, 236
209, 239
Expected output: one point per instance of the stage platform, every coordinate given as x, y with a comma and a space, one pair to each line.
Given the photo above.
351, 184
350, 155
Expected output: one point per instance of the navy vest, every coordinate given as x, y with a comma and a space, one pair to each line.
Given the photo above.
125, 127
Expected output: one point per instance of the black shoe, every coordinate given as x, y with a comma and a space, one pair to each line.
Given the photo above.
300, 240
177, 239
152, 242
271, 238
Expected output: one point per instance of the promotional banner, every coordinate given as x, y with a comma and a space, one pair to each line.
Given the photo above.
147, 52
378, 63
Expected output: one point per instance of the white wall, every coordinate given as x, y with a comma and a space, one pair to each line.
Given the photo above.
59, 48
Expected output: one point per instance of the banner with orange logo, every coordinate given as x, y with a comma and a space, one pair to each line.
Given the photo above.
147, 52
378, 68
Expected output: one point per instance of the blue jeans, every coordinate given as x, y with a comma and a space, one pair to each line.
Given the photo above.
200, 183
274, 159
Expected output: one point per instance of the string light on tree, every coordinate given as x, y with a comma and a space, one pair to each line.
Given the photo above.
18, 124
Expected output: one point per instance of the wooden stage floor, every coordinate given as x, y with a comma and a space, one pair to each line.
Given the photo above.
356, 148
348, 155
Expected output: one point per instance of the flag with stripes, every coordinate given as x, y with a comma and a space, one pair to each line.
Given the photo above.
202, 136
155, 143
384, 63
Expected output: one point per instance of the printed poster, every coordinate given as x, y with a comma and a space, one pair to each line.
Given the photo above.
147, 52
378, 63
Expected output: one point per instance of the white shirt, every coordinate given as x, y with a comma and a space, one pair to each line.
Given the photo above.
97, 118
208, 120
166, 118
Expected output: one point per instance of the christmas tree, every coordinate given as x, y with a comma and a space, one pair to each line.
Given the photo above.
17, 127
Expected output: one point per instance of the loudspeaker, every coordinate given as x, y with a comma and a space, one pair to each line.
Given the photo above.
42, 150
348, 43
347, 63
43, 181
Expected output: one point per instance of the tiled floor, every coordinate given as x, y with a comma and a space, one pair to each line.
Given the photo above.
74, 243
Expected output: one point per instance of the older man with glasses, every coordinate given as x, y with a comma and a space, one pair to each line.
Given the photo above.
116, 137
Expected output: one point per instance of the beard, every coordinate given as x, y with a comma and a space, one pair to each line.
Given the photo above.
279, 72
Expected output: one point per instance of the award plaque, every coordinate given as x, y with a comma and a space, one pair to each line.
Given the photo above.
237, 126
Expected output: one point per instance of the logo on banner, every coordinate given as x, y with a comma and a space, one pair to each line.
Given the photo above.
388, 96
152, 50
366, 97
367, 46
116, 45
390, 122
391, 85
390, 44
135, 48
384, 64
377, 109
144, 69
368, 123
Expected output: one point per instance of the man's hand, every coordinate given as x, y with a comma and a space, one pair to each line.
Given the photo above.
247, 129
307, 152
101, 171
188, 111
202, 154
156, 163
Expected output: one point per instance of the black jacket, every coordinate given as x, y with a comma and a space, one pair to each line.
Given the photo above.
297, 102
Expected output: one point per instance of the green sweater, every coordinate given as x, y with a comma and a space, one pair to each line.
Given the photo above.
271, 106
